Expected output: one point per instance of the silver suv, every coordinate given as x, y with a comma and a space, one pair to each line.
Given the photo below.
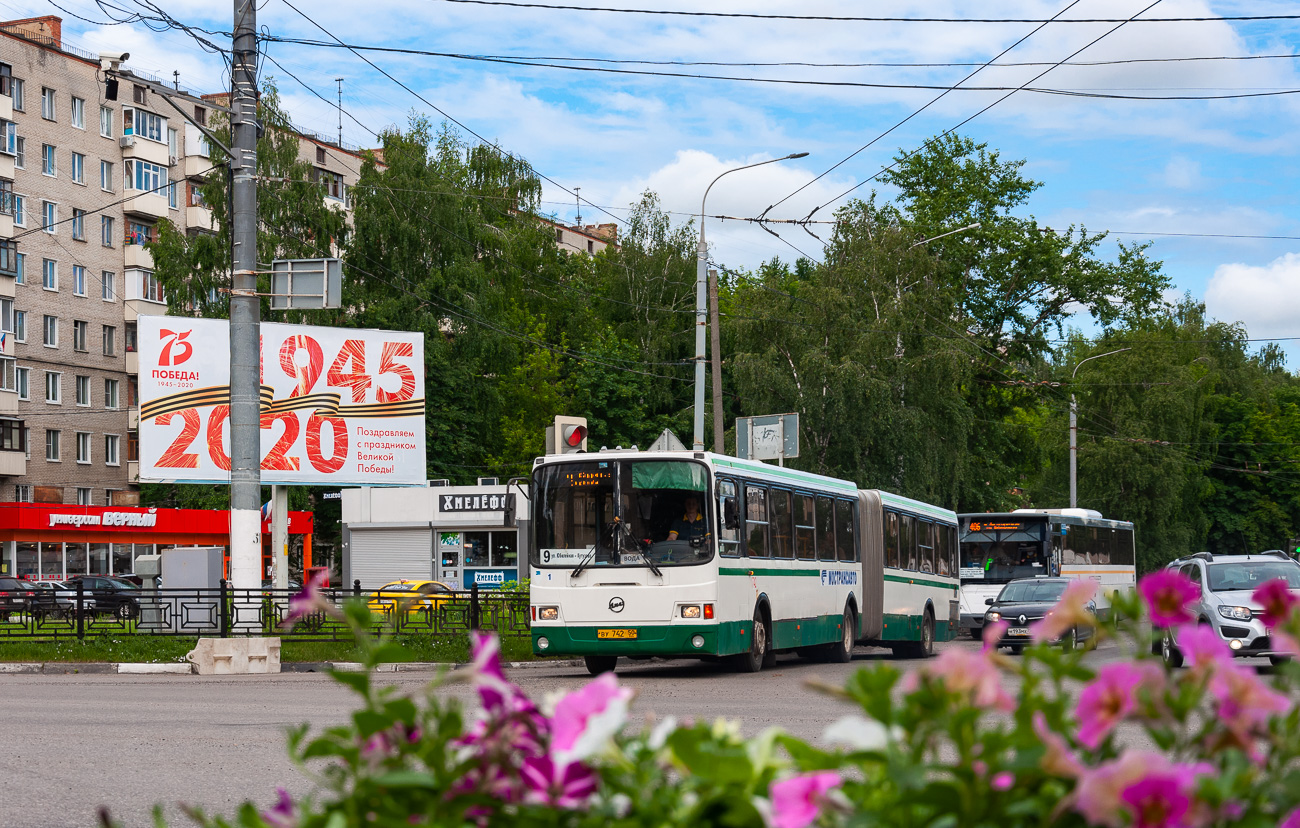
1226, 583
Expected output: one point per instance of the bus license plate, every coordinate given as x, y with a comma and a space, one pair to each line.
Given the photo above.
1018, 631
616, 633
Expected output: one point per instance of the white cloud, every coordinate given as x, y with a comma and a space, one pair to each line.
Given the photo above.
1182, 173
1264, 297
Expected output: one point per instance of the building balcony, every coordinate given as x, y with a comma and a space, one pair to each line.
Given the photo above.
197, 166
132, 362
8, 290
138, 256
133, 418
146, 204
8, 399
7, 107
6, 226
133, 471
13, 463
198, 218
155, 152
7, 165
136, 308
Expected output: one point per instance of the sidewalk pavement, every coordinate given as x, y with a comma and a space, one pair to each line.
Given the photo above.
184, 669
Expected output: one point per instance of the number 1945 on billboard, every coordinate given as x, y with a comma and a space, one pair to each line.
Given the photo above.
338, 405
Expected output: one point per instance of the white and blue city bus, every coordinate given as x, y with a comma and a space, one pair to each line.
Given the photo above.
789, 562
1027, 543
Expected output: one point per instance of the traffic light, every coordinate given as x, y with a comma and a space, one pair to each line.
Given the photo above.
570, 435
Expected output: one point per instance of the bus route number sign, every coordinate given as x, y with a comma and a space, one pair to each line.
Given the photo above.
620, 634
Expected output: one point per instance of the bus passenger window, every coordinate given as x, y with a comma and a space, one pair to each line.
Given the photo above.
925, 545
908, 536
805, 516
782, 525
728, 520
756, 521
844, 545
825, 529
891, 541
941, 548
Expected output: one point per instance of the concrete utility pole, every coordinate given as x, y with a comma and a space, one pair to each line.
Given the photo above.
1074, 428
715, 352
245, 361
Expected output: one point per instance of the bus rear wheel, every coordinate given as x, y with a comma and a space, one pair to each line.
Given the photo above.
597, 664
760, 646
841, 652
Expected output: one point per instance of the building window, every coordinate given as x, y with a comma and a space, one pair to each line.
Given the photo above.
141, 175
22, 383
83, 451
8, 372
22, 269
84, 497
110, 343
200, 116
79, 327
78, 226
78, 280
54, 387
172, 145
83, 390
49, 274
22, 494
133, 447
111, 444
78, 168
151, 288
52, 446
8, 137
129, 337
7, 315
110, 394
106, 176
106, 230
172, 201
137, 233
49, 216
12, 436
20, 153
144, 123
49, 163
20, 326
17, 86
51, 331
139, 94
9, 257
106, 122
78, 113
20, 211
47, 103
106, 286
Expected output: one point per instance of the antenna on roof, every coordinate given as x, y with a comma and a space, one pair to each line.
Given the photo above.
339, 81
578, 219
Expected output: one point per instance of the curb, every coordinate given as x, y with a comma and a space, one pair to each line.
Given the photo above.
185, 669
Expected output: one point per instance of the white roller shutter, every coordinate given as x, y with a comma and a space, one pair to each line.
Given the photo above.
380, 556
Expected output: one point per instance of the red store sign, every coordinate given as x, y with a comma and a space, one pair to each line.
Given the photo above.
117, 524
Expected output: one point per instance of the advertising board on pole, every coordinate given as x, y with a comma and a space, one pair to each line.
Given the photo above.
340, 406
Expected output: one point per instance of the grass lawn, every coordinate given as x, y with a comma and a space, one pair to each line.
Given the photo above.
158, 649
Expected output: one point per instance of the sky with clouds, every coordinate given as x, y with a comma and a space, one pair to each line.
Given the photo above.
1183, 174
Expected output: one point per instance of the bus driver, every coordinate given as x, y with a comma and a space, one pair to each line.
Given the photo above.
690, 525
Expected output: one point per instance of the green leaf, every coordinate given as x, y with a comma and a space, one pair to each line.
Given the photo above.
406, 779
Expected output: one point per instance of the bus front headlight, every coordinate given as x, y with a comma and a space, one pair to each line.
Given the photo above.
548, 613
692, 611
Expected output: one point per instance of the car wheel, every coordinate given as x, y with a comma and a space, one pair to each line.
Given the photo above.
597, 664
755, 658
841, 652
128, 611
1169, 651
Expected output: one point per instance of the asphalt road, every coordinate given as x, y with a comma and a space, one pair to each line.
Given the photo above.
77, 742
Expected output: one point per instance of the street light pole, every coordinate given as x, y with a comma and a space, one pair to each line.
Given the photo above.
702, 306
1074, 428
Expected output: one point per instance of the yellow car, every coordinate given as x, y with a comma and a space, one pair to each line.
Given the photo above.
409, 596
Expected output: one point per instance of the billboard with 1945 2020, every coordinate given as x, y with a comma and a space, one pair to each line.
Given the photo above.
339, 405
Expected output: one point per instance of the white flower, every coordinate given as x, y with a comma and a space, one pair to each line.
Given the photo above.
858, 733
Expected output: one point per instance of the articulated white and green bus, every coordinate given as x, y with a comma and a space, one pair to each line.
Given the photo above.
782, 561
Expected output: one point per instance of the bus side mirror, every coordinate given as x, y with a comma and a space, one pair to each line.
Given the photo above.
729, 516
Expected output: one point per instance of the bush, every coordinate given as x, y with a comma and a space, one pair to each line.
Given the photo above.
945, 745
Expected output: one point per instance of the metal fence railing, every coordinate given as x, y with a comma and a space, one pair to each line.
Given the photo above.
227, 612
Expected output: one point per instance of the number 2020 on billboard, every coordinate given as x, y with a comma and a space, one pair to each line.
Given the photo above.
339, 405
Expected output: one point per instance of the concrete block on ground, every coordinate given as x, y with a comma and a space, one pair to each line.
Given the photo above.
20, 668
56, 667
144, 668
235, 656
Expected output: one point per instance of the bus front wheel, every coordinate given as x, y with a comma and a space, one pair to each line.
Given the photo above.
597, 664
760, 646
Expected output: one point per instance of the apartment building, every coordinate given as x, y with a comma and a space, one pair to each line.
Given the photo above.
84, 183
588, 238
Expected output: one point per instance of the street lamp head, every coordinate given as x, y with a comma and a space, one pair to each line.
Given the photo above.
795, 155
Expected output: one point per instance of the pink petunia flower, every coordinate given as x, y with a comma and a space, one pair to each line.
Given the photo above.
1100, 794
586, 719
1168, 594
1002, 781
1201, 646
1059, 760
1070, 612
1105, 702
1292, 820
974, 676
1246, 703
567, 786
993, 635
1278, 601
308, 602
283, 814
1284, 644
1157, 802
797, 801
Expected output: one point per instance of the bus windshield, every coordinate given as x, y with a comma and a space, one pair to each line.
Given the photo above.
643, 513
1000, 551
